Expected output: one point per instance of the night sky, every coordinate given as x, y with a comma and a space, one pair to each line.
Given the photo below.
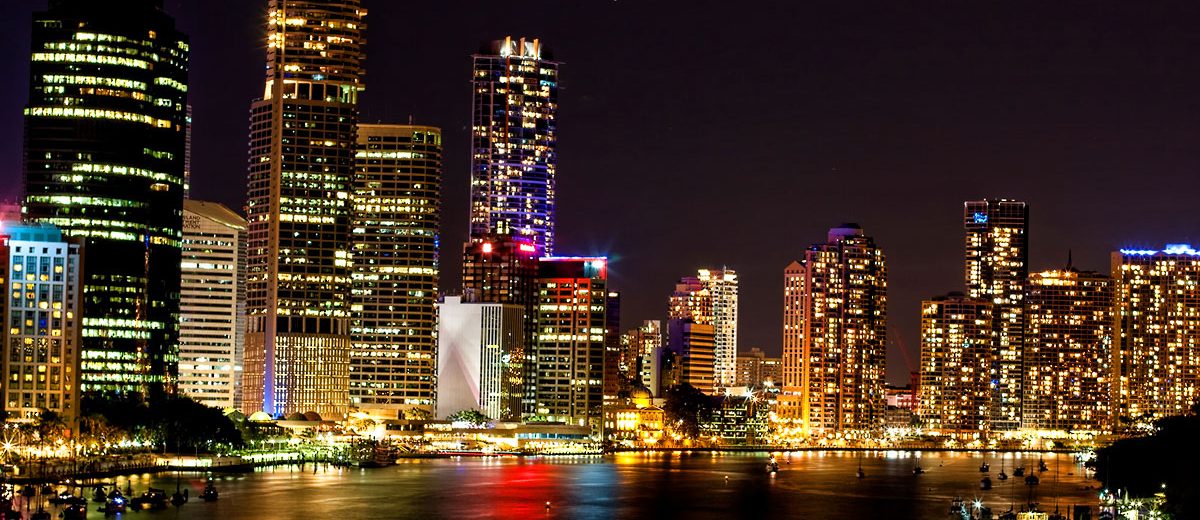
703, 133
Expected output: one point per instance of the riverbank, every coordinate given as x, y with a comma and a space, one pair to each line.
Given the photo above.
154, 464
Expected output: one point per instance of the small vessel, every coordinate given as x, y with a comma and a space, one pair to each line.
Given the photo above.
151, 499
98, 495
210, 491
75, 512
984, 468
1002, 475
772, 466
1042, 466
985, 483
861, 473
958, 509
116, 503
917, 470
1019, 472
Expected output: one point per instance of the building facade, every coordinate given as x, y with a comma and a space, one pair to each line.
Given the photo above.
210, 324
835, 335
756, 369
1068, 352
997, 268
395, 219
41, 363
1156, 365
711, 298
514, 141
956, 365
105, 138
642, 360
692, 345
299, 190
475, 368
569, 354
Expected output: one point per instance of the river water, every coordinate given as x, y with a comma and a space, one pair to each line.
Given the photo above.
813, 485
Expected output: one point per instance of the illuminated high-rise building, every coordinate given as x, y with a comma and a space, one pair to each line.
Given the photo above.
691, 346
105, 139
41, 357
395, 221
211, 310
299, 190
835, 335
614, 382
504, 269
1068, 352
514, 142
956, 365
711, 298
1156, 338
569, 354
997, 268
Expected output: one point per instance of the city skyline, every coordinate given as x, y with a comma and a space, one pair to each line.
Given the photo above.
1003, 155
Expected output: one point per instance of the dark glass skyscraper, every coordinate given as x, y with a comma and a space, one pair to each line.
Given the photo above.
105, 134
396, 213
299, 186
514, 141
997, 269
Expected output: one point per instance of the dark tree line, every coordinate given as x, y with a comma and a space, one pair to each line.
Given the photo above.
1170, 457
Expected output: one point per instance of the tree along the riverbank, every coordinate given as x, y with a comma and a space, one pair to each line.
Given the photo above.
1169, 457
685, 408
175, 424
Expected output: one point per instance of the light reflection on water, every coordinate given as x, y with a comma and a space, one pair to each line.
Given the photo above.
810, 485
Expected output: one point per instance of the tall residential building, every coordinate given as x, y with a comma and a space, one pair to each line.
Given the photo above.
835, 335
956, 365
475, 368
210, 319
569, 354
105, 139
514, 141
299, 187
1068, 352
692, 345
755, 368
711, 298
1156, 338
41, 358
997, 268
396, 213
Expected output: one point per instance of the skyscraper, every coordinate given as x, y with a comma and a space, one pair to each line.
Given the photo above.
1068, 352
711, 298
691, 346
514, 142
1156, 361
299, 186
105, 139
997, 268
41, 352
210, 324
614, 383
395, 221
643, 358
956, 365
835, 334
569, 354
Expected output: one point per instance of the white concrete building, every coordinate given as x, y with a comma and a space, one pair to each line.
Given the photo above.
474, 369
210, 310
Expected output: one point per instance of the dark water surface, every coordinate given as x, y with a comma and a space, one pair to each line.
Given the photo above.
815, 485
